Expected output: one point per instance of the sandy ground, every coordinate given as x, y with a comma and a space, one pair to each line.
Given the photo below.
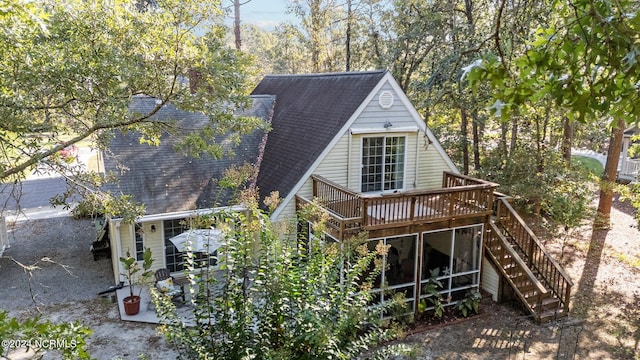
69, 293
604, 321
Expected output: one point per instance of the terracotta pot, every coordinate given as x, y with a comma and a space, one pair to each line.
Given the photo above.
131, 304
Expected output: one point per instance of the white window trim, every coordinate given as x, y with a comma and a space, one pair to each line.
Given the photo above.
404, 168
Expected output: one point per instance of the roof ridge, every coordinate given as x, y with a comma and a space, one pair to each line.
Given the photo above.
368, 72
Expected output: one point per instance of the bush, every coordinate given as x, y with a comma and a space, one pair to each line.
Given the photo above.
559, 192
275, 299
66, 339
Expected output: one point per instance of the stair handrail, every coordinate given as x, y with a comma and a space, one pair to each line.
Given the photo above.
541, 290
561, 292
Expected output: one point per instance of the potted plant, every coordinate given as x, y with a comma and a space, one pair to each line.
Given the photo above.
131, 273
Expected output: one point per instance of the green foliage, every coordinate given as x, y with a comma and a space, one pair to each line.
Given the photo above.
470, 304
561, 193
67, 339
96, 204
585, 59
631, 193
132, 268
634, 147
72, 68
434, 300
275, 299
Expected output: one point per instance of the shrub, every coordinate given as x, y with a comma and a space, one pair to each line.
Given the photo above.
557, 191
66, 339
276, 299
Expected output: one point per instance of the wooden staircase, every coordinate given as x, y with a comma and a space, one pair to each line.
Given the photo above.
536, 279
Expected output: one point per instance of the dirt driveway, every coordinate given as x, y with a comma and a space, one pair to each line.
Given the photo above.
604, 322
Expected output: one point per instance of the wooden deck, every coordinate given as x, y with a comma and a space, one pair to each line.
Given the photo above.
461, 200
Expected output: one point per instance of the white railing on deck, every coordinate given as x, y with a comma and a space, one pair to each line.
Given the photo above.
4, 238
630, 167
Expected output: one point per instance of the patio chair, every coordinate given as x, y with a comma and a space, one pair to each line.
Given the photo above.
165, 283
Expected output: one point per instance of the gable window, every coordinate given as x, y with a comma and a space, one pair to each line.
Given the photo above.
383, 163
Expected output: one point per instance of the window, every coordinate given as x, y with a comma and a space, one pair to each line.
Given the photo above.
175, 259
139, 242
455, 256
382, 163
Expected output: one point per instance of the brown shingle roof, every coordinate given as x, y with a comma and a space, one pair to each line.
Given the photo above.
310, 109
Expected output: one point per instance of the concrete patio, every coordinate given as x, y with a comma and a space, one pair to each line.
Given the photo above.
147, 312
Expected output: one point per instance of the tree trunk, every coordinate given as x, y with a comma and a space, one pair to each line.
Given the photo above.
567, 140
603, 215
514, 136
464, 134
503, 140
236, 23
476, 140
348, 40
315, 13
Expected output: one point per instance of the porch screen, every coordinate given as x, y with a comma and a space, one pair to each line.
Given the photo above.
454, 257
382, 163
399, 274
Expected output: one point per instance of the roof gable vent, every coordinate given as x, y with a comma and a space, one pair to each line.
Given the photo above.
385, 100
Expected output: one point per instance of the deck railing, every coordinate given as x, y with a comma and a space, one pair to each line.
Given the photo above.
536, 256
630, 167
336, 198
461, 196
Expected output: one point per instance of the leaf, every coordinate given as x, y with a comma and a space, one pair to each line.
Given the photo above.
476, 64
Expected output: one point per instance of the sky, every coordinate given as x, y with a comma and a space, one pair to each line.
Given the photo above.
264, 13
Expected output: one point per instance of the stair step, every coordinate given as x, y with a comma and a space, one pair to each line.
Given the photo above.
551, 315
548, 303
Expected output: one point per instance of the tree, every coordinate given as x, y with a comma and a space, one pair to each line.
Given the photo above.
585, 60
236, 23
73, 76
321, 22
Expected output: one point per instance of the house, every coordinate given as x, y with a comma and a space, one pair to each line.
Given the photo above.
629, 167
354, 142
173, 186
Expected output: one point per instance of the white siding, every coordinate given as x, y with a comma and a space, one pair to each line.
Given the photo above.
490, 280
431, 165
116, 245
152, 240
155, 242
334, 167
374, 116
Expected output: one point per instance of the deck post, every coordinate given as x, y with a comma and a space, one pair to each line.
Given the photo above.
315, 187
412, 208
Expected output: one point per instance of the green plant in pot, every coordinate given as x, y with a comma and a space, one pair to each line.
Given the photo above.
134, 277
